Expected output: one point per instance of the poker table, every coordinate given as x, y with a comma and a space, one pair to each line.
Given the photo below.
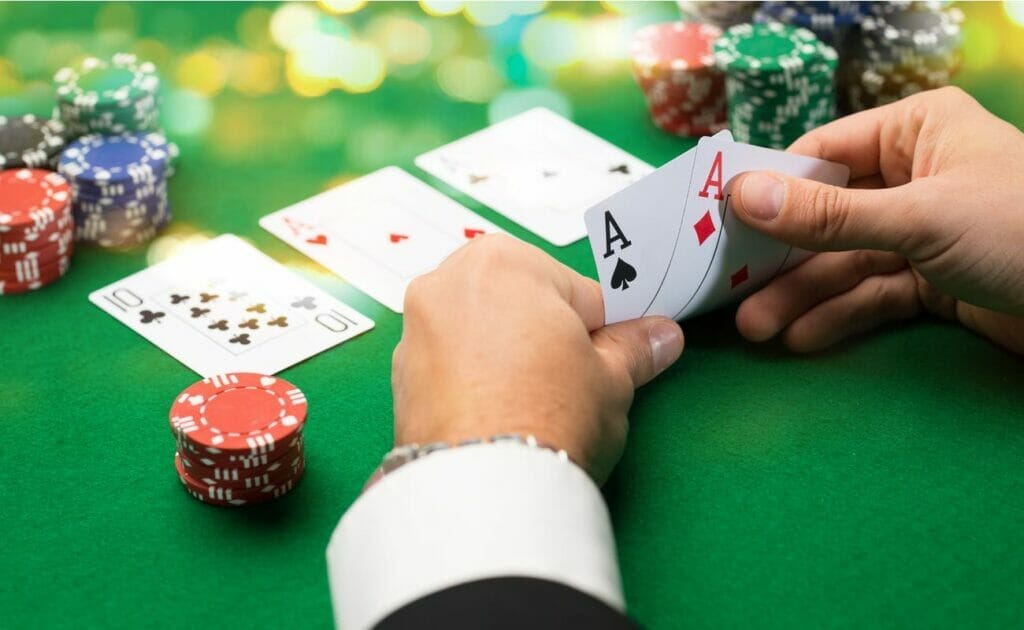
877, 484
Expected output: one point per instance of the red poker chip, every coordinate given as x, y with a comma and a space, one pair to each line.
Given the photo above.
43, 278
205, 467
12, 263
31, 199
201, 456
674, 47
60, 240
276, 472
238, 414
234, 497
35, 268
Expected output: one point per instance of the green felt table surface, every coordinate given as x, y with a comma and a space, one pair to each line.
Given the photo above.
880, 484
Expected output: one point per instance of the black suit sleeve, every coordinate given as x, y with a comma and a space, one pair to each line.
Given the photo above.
507, 603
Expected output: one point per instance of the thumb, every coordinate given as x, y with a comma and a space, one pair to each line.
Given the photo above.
642, 347
822, 217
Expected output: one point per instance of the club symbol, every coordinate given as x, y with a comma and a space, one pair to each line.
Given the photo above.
178, 299
624, 274
476, 179
220, 324
242, 339
279, 321
251, 324
199, 312
257, 308
207, 297
148, 316
306, 303
621, 168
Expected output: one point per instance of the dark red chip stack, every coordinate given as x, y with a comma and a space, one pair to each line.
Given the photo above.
36, 229
239, 438
675, 67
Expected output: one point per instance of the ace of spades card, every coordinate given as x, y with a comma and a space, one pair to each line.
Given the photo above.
671, 244
223, 306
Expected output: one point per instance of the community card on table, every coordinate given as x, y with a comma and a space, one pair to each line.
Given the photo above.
378, 232
223, 306
538, 169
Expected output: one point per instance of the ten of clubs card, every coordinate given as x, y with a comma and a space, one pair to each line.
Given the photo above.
223, 306
671, 243
538, 169
379, 231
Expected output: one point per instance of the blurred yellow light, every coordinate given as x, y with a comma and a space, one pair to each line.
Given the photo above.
302, 83
439, 8
364, 69
527, 7
981, 45
253, 27
341, 6
256, 73
552, 40
291, 23
201, 72
1015, 11
469, 79
9, 82
623, 6
186, 113
169, 245
61, 52
487, 13
403, 41
604, 40
117, 16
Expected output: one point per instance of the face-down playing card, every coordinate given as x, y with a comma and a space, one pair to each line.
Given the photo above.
538, 169
715, 259
379, 231
223, 306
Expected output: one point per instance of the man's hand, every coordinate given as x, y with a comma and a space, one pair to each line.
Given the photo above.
501, 338
934, 216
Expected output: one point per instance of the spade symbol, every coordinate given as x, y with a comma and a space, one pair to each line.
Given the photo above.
621, 168
624, 274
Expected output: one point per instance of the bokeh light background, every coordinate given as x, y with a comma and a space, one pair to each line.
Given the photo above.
272, 102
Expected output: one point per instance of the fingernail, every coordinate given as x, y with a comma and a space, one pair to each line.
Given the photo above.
762, 196
666, 341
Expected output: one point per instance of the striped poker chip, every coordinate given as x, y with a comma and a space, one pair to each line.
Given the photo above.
95, 160
240, 413
228, 496
30, 200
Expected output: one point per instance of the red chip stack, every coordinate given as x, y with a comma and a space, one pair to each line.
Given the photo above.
239, 438
675, 67
36, 229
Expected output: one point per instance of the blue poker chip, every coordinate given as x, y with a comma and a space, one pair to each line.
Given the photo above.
137, 158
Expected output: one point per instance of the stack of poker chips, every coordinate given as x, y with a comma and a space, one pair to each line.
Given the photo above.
239, 438
36, 229
675, 67
722, 14
28, 141
903, 48
832, 21
119, 185
779, 82
108, 97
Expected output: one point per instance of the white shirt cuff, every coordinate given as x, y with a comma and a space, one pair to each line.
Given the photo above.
466, 514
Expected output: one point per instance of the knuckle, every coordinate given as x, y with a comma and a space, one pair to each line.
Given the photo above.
417, 294
828, 210
863, 262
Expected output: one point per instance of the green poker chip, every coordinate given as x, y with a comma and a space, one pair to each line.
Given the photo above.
108, 96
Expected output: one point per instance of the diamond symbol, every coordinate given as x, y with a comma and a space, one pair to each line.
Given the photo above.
704, 228
740, 276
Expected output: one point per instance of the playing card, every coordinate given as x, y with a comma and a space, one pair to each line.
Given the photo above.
698, 255
538, 169
223, 306
634, 233
379, 231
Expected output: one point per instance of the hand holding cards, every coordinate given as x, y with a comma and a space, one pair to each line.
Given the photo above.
671, 244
